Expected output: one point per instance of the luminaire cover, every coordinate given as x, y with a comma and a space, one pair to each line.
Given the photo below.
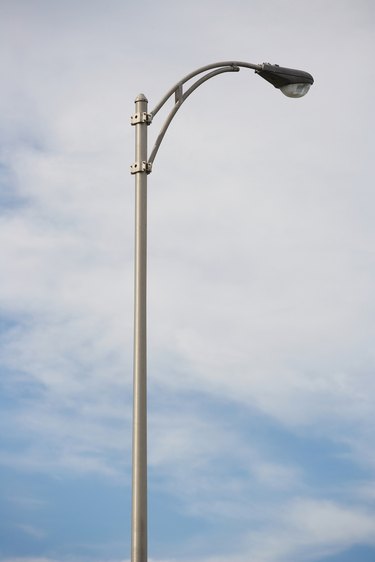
280, 76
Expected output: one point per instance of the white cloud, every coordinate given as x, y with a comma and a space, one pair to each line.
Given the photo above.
32, 531
314, 528
261, 249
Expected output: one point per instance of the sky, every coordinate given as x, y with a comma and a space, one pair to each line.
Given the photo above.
261, 268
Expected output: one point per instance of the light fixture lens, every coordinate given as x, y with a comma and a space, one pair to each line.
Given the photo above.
295, 90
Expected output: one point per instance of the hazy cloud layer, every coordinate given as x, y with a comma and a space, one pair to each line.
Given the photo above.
261, 275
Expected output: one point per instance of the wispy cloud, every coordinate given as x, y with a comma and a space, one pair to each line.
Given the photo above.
312, 529
32, 531
261, 273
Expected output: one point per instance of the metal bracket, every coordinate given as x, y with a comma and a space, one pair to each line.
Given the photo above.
141, 118
139, 167
178, 94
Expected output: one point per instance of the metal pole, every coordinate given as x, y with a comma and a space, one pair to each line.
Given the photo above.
141, 167
139, 484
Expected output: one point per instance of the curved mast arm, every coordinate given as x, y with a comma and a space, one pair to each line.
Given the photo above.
191, 75
180, 96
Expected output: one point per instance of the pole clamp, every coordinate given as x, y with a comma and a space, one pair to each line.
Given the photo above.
142, 117
139, 167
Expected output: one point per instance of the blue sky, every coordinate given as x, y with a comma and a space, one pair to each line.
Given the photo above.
261, 274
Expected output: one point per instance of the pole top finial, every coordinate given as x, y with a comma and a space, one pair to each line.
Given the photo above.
140, 97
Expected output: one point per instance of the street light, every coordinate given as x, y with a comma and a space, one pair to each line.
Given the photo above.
293, 83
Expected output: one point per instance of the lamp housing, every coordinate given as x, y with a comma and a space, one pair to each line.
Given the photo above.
293, 83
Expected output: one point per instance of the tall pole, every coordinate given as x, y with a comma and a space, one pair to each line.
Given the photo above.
139, 486
297, 83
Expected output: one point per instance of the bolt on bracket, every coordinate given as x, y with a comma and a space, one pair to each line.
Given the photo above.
139, 167
142, 117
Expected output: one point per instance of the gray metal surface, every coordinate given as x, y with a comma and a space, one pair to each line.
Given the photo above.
139, 489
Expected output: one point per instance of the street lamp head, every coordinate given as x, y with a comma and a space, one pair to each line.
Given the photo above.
293, 83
